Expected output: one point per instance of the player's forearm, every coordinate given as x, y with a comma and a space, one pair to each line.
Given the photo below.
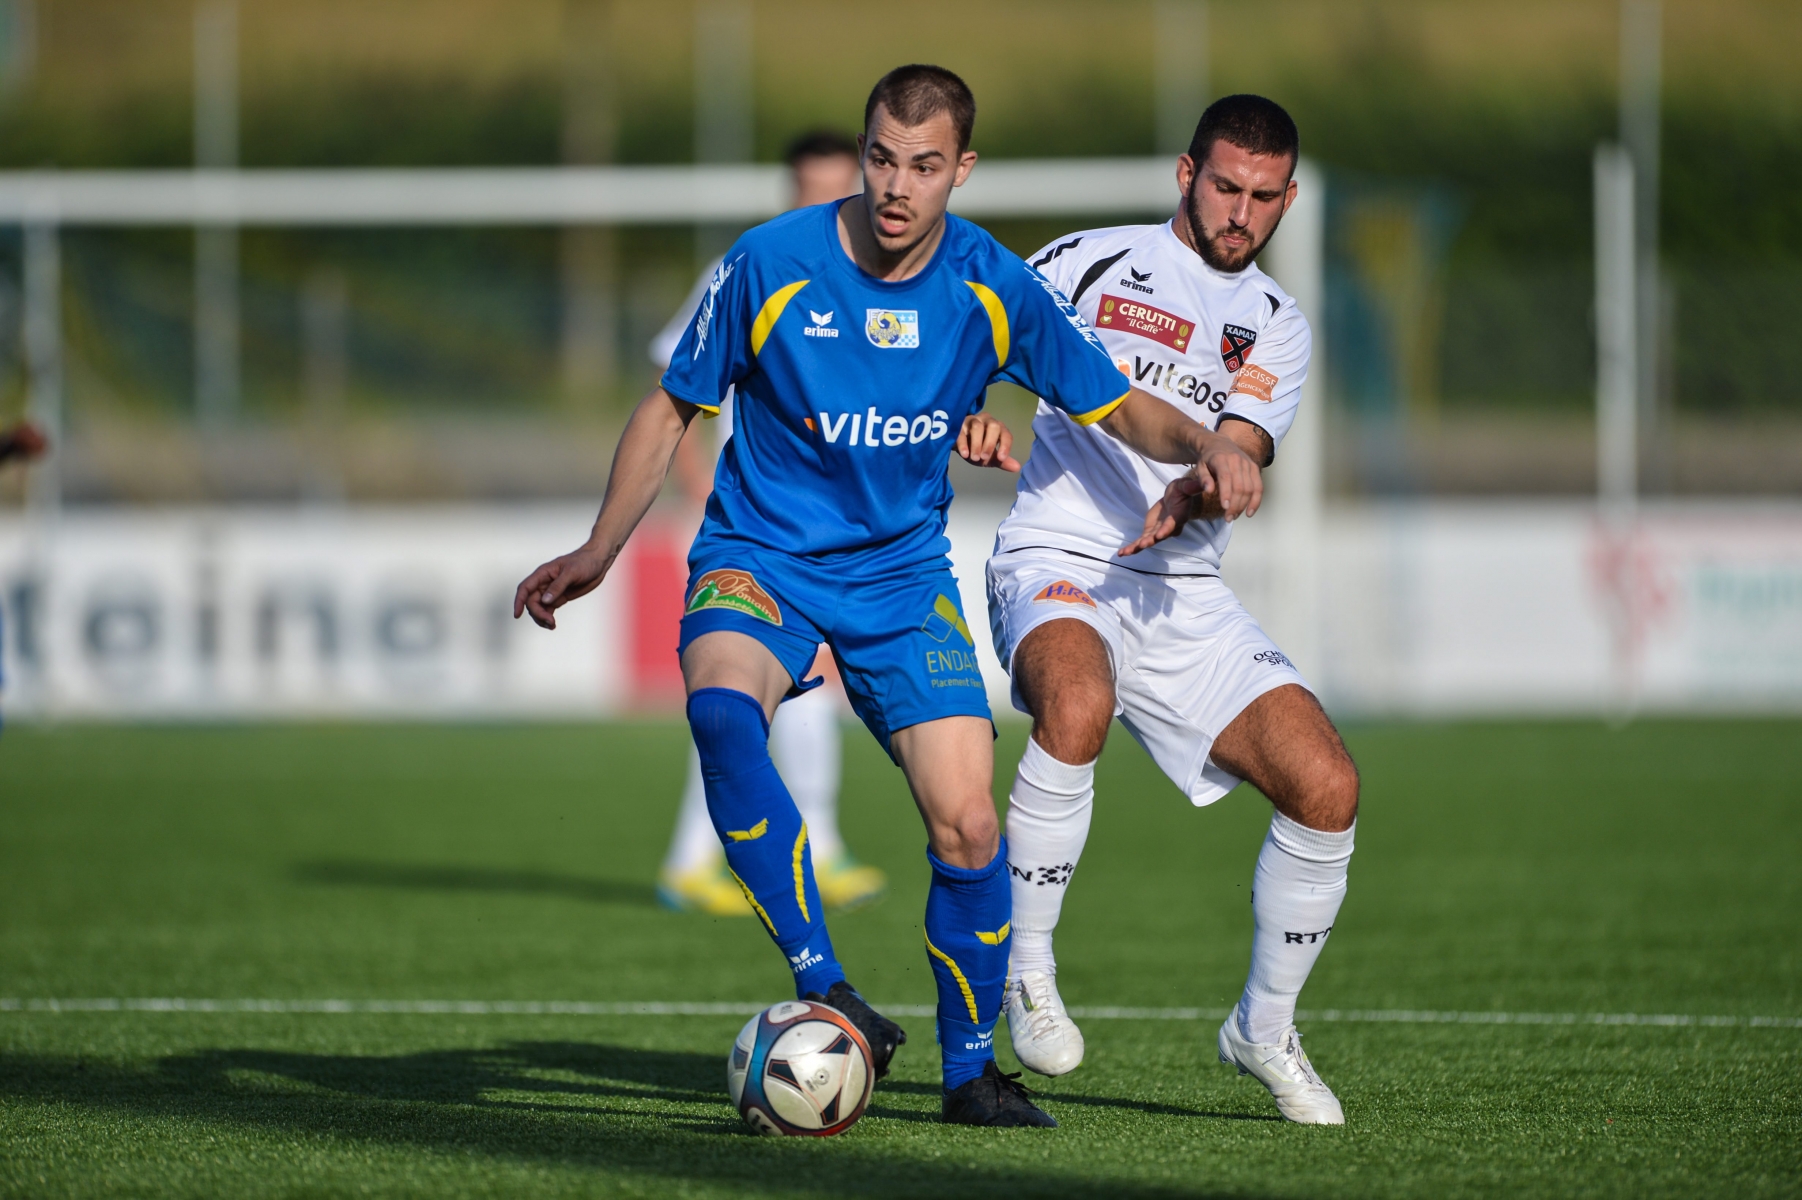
641, 462
1157, 430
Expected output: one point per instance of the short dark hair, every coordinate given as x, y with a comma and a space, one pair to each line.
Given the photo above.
916, 93
1252, 123
820, 143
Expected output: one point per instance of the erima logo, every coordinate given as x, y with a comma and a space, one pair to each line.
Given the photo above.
873, 429
704, 318
1273, 657
892, 328
997, 937
752, 834
807, 958
1137, 282
1295, 939
985, 1038
822, 325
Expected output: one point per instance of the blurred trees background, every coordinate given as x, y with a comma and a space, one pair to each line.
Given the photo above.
1457, 133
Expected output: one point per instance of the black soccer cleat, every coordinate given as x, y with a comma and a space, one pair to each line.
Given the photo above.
995, 1100
883, 1035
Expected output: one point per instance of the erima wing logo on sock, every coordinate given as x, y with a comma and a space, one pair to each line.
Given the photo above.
996, 938
943, 620
752, 834
734, 589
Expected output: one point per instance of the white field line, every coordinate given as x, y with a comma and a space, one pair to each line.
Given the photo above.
666, 1008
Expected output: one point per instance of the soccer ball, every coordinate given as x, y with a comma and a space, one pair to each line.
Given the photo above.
799, 1069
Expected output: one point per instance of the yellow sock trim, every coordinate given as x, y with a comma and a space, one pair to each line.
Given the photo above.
758, 908
996, 938
963, 985
800, 879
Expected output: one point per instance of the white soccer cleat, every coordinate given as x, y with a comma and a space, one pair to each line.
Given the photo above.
1284, 1069
1045, 1039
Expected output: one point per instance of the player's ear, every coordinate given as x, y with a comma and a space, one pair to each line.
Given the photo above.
1185, 173
1289, 194
966, 162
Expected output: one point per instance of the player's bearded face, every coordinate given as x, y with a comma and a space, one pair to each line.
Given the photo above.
1234, 204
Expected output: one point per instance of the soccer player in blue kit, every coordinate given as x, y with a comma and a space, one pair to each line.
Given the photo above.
860, 337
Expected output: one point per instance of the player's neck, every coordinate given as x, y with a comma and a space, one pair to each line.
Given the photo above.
857, 237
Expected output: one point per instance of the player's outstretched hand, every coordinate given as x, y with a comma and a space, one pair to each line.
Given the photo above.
984, 442
1225, 483
558, 582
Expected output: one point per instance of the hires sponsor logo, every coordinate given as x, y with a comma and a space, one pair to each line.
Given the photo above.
1254, 381
822, 325
1150, 375
1145, 320
1137, 282
1063, 592
802, 961
1275, 658
1236, 342
736, 590
704, 318
873, 429
1296, 939
892, 328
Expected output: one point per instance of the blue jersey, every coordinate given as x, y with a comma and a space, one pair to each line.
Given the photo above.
851, 390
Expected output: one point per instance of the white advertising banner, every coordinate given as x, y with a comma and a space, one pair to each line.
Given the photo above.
1430, 609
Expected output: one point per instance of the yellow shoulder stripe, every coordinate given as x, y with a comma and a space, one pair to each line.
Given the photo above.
1097, 414
770, 313
997, 320
963, 984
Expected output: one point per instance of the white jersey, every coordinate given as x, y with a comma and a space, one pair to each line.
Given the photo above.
1212, 345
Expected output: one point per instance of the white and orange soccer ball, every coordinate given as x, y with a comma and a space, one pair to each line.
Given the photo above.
799, 1069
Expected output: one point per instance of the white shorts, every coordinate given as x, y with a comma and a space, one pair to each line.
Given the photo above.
1187, 656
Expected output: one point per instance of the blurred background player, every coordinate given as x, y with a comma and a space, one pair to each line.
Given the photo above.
1156, 637
804, 735
18, 443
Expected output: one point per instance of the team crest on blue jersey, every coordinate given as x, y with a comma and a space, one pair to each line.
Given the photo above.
892, 328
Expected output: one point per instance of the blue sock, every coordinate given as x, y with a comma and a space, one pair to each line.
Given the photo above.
968, 920
765, 838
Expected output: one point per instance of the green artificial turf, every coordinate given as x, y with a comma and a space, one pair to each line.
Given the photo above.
1508, 867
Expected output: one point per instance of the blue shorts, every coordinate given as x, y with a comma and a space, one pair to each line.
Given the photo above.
899, 636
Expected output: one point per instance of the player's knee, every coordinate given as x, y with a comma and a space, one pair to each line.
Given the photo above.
1331, 800
727, 724
1073, 726
967, 838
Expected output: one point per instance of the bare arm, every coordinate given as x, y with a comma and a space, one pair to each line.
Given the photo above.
640, 464
1223, 467
1188, 498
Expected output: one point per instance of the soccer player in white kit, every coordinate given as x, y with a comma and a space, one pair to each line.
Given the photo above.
804, 734
1151, 634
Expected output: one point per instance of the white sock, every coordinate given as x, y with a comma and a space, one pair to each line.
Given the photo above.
1295, 898
695, 843
1048, 815
804, 741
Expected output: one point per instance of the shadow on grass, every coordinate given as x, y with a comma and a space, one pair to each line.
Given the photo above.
1159, 1110
644, 1113
476, 879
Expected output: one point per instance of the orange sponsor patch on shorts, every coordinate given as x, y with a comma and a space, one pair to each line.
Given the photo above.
1064, 592
736, 590
1253, 380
